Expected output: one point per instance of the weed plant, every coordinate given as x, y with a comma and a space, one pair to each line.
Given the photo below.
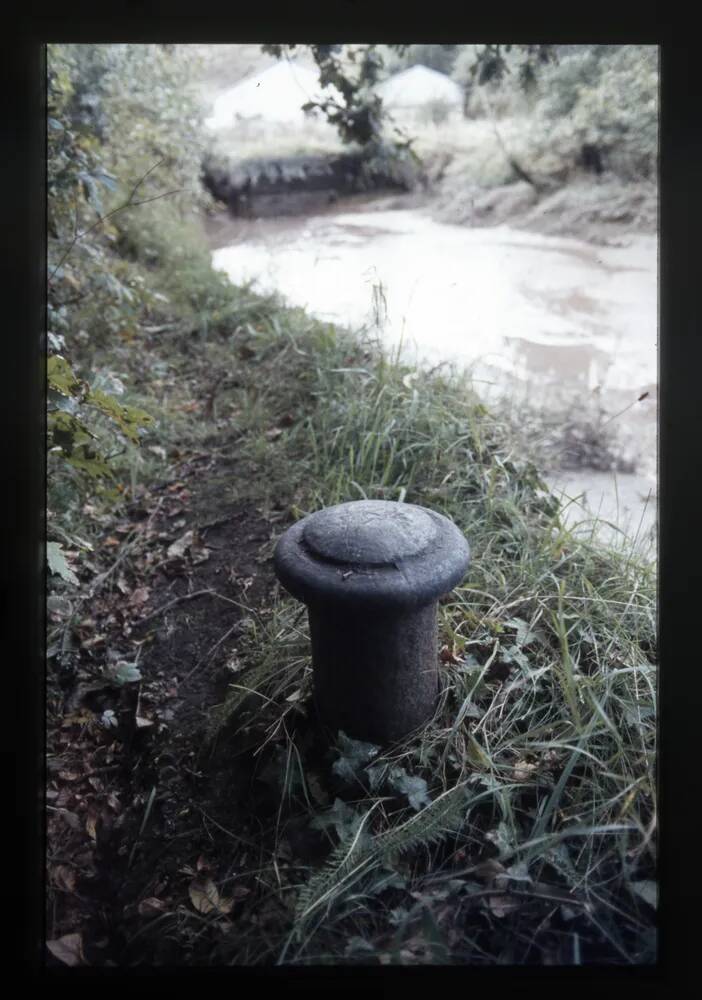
518, 826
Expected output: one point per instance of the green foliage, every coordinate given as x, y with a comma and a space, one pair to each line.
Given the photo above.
538, 768
124, 137
607, 96
57, 563
437, 57
68, 428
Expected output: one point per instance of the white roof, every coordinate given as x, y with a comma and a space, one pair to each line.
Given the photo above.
419, 85
276, 94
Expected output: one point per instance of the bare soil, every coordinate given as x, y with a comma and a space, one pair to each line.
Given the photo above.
136, 820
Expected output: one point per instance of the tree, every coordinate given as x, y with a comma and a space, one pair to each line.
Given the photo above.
121, 134
354, 70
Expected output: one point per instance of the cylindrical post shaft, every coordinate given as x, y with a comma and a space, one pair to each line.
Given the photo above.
371, 573
376, 673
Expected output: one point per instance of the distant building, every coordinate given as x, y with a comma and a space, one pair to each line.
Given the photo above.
274, 96
421, 94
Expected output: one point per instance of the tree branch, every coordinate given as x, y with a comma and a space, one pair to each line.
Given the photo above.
129, 203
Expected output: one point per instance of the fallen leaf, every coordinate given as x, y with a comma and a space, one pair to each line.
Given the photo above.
240, 892
178, 549
139, 596
70, 818
147, 907
489, 870
96, 640
500, 906
206, 899
449, 655
295, 696
91, 825
64, 877
68, 949
523, 771
68, 775
202, 864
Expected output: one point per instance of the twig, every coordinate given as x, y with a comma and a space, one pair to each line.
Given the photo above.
171, 604
518, 169
103, 218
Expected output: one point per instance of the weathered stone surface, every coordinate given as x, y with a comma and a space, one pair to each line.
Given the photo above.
376, 675
370, 572
372, 552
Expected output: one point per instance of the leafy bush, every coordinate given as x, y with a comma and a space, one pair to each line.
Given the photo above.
124, 149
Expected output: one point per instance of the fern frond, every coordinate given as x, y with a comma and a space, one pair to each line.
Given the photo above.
441, 817
351, 860
348, 861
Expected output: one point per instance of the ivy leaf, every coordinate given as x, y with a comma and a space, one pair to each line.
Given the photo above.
124, 673
341, 816
376, 775
57, 563
513, 654
414, 787
94, 466
128, 418
524, 634
206, 899
60, 376
353, 757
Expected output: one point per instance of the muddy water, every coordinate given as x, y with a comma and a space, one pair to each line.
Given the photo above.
540, 319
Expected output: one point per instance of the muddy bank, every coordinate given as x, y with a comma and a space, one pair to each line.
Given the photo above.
296, 185
602, 211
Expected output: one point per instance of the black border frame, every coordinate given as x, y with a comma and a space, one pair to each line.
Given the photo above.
679, 363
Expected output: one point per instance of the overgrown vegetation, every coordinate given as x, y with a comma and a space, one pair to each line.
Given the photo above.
519, 826
532, 790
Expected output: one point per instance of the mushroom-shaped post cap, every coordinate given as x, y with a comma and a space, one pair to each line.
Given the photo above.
372, 553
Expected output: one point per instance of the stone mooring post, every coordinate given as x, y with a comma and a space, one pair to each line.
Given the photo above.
371, 573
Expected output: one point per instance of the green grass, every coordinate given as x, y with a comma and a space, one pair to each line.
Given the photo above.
531, 838
543, 744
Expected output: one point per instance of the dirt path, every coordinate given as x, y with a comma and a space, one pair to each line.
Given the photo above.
138, 828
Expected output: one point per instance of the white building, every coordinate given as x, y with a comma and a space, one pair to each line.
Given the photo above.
274, 96
422, 95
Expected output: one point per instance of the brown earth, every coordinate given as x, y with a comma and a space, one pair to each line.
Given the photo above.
139, 829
